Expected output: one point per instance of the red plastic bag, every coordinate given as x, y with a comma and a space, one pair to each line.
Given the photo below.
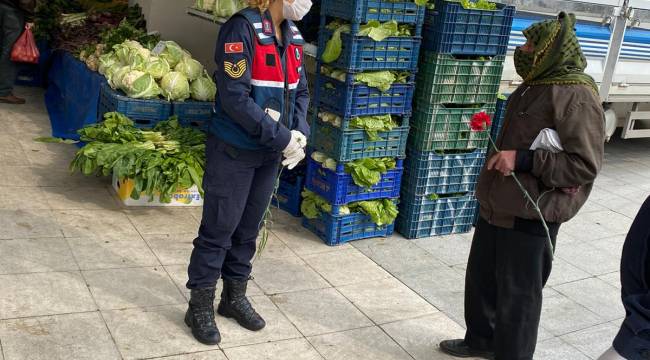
25, 49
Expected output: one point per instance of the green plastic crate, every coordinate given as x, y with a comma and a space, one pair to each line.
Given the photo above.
442, 128
347, 145
444, 79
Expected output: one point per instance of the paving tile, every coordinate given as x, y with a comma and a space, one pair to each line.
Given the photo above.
94, 253
443, 287
163, 221
555, 349
19, 224
277, 326
563, 273
11, 153
612, 245
345, 267
276, 276
303, 241
452, 249
561, 315
597, 225
36, 255
152, 332
204, 355
595, 295
359, 344
43, 154
398, 255
178, 273
322, 311
132, 287
95, 223
613, 279
296, 349
24, 295
275, 248
589, 258
593, 341
50, 176
71, 336
420, 337
22, 198
387, 300
172, 249
60, 198
12, 176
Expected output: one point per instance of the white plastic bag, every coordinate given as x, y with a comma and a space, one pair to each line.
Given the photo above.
549, 140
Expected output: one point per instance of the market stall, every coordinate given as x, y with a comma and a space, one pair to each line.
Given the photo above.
394, 87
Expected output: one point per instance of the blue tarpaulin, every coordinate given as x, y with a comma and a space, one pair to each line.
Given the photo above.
72, 95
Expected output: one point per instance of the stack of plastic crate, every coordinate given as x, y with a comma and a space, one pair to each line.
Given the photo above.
349, 99
459, 74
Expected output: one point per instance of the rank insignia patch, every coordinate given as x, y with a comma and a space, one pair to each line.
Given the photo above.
235, 71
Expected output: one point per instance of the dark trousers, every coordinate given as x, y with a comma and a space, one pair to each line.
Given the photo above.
12, 23
507, 270
238, 187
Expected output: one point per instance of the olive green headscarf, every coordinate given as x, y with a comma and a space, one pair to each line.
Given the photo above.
557, 58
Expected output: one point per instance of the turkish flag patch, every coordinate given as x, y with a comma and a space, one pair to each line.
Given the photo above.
234, 48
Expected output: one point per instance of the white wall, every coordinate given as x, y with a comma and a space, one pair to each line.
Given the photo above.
170, 18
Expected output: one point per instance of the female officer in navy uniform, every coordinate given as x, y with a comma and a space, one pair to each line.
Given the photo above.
260, 123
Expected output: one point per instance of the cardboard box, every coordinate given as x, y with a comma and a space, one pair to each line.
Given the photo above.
123, 189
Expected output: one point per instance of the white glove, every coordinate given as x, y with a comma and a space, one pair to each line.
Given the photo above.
300, 138
293, 159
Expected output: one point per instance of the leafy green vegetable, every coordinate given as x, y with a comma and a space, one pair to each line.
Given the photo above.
175, 86
367, 172
382, 212
203, 88
502, 97
157, 67
173, 53
373, 125
189, 67
381, 80
54, 140
478, 4
334, 46
140, 85
162, 161
434, 197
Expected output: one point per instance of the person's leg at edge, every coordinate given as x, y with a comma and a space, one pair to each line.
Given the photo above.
480, 297
12, 24
237, 265
523, 267
227, 182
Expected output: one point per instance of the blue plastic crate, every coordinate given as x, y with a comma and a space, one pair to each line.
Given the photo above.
420, 216
362, 11
196, 114
339, 229
144, 113
498, 119
432, 173
349, 98
289, 196
451, 29
347, 145
338, 188
361, 53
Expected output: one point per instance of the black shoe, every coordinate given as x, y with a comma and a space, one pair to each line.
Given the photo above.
200, 316
458, 348
234, 304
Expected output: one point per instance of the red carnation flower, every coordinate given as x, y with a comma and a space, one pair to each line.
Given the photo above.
480, 121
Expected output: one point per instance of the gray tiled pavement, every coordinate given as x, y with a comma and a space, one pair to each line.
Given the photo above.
81, 277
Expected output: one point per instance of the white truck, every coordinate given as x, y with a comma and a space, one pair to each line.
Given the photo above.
615, 37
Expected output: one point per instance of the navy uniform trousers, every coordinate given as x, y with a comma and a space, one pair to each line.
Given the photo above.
238, 186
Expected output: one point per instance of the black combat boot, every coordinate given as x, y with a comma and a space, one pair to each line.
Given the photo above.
200, 316
459, 348
234, 304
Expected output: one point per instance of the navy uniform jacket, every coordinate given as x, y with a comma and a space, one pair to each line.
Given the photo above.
633, 340
247, 57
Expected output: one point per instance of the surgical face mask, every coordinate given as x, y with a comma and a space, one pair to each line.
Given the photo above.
524, 62
297, 10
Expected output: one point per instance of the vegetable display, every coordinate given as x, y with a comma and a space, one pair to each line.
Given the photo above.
160, 162
221, 8
167, 70
381, 80
365, 172
373, 124
382, 212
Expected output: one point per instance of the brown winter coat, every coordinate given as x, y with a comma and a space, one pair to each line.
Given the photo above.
576, 113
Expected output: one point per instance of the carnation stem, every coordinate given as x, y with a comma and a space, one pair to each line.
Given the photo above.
267, 220
551, 249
